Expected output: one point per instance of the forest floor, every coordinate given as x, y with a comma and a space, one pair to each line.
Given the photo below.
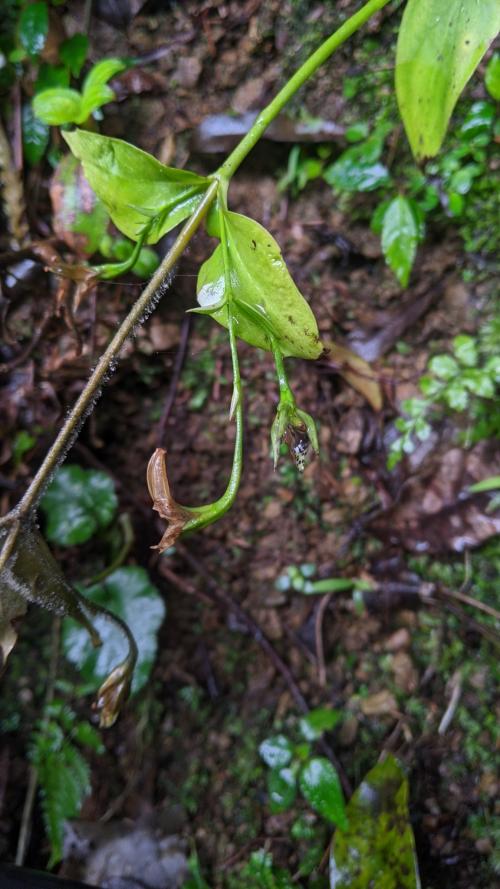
392, 661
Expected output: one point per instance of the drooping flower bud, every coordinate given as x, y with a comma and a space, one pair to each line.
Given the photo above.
163, 502
298, 430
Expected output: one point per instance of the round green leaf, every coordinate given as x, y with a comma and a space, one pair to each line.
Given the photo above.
440, 45
400, 238
33, 27
318, 721
465, 350
57, 106
135, 188
320, 785
444, 366
128, 593
276, 751
264, 298
78, 503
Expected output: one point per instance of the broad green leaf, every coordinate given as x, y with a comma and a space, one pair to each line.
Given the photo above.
282, 789
78, 503
320, 785
264, 299
50, 76
79, 218
135, 188
400, 238
440, 45
276, 751
33, 27
35, 136
129, 594
73, 52
444, 366
359, 167
478, 382
377, 850
318, 721
57, 106
456, 396
93, 99
102, 72
492, 77
465, 349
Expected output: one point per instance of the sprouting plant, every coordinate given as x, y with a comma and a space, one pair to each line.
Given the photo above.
245, 285
468, 380
299, 579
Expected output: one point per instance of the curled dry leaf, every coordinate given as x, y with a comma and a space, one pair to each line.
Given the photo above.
12, 606
113, 693
355, 371
163, 502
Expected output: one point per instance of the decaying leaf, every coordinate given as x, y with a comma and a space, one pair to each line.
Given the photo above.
355, 371
163, 502
377, 849
31, 574
12, 606
79, 217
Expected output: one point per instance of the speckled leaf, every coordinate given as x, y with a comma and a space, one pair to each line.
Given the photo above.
79, 217
78, 503
440, 45
135, 188
264, 297
400, 238
128, 593
377, 851
282, 789
33, 27
276, 751
321, 787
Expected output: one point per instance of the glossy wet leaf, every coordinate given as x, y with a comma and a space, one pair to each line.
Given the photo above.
73, 52
35, 136
135, 188
282, 789
359, 168
318, 721
95, 90
264, 299
129, 594
400, 238
492, 76
276, 751
439, 47
78, 502
377, 849
320, 785
33, 27
79, 218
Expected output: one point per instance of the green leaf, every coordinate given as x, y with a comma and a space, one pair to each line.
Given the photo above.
57, 106
276, 751
128, 593
439, 47
320, 785
318, 721
478, 382
444, 366
35, 136
465, 350
358, 168
400, 238
492, 76
33, 27
264, 299
377, 850
78, 503
135, 188
50, 76
102, 72
456, 396
282, 789
79, 218
73, 52
486, 484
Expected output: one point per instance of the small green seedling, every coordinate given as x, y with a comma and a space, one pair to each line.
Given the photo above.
299, 580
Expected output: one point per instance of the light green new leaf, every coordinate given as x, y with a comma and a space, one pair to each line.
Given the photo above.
102, 72
264, 299
440, 44
377, 851
57, 106
321, 787
492, 76
128, 593
400, 238
135, 187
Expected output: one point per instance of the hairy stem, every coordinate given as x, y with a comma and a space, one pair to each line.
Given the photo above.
97, 378
306, 71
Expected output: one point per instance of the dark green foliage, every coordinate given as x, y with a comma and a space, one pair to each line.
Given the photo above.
78, 503
33, 27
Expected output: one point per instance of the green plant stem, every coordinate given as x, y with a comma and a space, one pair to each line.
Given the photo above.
286, 394
92, 388
310, 66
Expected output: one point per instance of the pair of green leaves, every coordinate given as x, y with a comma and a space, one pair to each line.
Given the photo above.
59, 105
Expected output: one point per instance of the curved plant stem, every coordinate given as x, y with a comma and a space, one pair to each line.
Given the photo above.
92, 388
306, 71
